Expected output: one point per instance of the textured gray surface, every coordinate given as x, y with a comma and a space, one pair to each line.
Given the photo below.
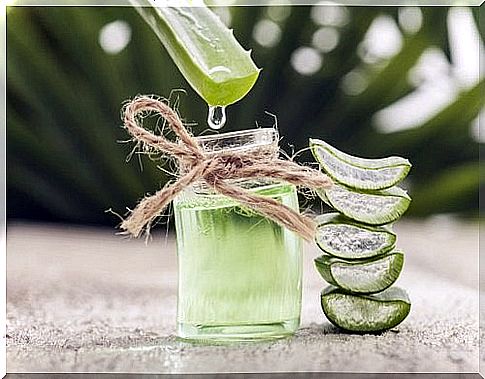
85, 300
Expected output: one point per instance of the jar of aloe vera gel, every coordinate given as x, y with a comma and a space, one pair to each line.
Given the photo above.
239, 273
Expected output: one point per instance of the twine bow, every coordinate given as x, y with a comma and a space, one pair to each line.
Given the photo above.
215, 169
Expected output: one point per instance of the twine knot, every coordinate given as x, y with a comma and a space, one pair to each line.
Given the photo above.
215, 169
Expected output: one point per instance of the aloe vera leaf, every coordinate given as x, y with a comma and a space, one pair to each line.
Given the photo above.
204, 50
359, 173
365, 276
370, 207
365, 313
344, 238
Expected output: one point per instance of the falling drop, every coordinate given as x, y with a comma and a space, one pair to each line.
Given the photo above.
217, 116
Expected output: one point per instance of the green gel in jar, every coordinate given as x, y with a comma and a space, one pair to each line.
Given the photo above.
239, 272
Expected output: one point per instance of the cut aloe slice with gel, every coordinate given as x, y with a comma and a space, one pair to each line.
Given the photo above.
203, 48
343, 238
368, 276
365, 313
370, 207
359, 173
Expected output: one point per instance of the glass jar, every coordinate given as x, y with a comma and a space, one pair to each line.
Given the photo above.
239, 272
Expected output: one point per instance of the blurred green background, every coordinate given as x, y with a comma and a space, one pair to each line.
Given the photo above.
371, 81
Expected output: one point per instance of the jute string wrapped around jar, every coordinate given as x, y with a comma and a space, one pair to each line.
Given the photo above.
216, 169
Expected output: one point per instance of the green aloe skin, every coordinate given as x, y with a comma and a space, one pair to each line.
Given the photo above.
365, 313
377, 207
367, 276
239, 273
205, 51
344, 238
362, 263
359, 173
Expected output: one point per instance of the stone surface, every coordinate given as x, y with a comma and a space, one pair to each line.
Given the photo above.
85, 300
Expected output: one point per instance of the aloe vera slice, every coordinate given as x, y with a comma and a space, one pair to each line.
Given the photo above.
203, 48
359, 173
368, 276
365, 313
371, 207
344, 238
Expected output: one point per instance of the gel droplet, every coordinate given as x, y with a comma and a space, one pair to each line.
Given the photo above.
217, 117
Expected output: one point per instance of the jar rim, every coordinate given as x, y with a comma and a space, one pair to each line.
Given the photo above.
240, 140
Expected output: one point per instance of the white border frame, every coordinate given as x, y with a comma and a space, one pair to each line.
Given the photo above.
3, 101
